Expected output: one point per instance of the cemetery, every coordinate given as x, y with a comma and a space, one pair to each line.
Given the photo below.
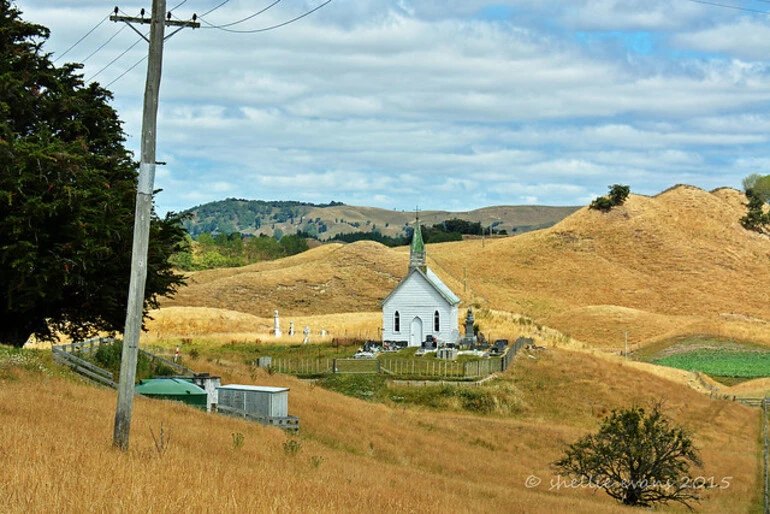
419, 337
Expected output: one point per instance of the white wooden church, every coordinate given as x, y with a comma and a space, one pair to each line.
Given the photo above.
421, 304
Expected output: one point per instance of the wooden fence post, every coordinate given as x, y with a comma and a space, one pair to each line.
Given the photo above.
767, 456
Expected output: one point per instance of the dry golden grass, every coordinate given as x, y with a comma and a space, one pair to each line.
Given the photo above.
329, 279
671, 261
224, 325
58, 458
656, 267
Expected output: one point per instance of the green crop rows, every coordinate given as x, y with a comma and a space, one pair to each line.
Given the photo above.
725, 363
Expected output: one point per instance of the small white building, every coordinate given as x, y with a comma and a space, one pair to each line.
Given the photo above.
421, 304
267, 405
258, 400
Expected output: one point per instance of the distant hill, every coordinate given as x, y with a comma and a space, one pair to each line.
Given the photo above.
327, 220
679, 262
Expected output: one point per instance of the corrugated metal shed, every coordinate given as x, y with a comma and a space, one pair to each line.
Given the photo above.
176, 389
271, 402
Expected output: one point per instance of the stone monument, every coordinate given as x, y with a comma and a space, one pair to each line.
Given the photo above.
276, 324
469, 339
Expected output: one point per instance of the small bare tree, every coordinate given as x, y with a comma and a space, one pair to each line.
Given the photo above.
638, 458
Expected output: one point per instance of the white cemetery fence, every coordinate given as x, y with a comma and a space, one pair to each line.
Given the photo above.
399, 367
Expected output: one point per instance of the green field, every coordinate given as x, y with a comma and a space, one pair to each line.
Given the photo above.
721, 362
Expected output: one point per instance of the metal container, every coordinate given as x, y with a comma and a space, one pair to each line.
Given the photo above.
263, 401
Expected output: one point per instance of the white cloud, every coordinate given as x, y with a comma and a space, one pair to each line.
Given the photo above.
399, 102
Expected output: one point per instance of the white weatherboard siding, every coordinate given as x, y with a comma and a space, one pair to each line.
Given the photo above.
416, 301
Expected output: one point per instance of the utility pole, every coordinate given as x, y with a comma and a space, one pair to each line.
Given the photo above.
142, 214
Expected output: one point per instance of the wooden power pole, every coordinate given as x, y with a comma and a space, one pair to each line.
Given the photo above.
142, 215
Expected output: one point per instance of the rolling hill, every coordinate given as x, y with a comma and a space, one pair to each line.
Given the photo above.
674, 262
325, 221
678, 262
656, 266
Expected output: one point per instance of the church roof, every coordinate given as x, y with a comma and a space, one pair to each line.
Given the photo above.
433, 280
417, 246
442, 287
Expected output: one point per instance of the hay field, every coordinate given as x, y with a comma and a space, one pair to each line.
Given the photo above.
354, 455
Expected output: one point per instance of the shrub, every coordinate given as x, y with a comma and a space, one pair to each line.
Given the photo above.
292, 447
476, 400
108, 356
619, 193
638, 458
617, 196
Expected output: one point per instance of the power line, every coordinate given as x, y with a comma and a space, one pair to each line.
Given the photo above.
114, 60
215, 8
177, 6
211, 26
140, 61
137, 63
247, 18
81, 39
728, 6
104, 44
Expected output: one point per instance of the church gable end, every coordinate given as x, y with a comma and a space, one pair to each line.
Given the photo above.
421, 304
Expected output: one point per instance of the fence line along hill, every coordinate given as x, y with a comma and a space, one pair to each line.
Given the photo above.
674, 263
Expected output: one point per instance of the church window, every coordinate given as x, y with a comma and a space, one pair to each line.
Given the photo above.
397, 322
435, 322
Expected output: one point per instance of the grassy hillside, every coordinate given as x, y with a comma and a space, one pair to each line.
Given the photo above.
326, 221
655, 267
352, 454
675, 262
329, 279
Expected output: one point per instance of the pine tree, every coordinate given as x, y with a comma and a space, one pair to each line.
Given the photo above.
67, 192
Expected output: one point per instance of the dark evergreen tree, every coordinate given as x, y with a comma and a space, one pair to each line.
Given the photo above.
67, 193
755, 219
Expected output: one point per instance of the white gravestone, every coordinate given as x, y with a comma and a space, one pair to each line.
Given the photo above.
276, 324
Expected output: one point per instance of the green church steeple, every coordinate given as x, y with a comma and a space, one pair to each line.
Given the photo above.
417, 249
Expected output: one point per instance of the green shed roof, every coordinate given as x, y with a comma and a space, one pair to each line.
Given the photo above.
168, 387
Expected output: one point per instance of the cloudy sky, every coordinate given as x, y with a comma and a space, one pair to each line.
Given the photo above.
445, 104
